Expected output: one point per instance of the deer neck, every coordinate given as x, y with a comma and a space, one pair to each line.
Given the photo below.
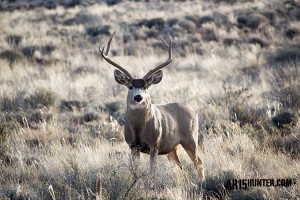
139, 115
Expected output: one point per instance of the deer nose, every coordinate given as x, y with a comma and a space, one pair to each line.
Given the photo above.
138, 98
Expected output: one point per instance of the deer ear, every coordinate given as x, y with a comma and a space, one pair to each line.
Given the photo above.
121, 78
155, 78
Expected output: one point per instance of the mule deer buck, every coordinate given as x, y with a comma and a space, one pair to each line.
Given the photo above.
156, 129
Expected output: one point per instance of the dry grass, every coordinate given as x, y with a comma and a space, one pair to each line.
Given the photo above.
61, 112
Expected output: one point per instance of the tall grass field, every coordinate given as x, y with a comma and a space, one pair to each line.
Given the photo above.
235, 62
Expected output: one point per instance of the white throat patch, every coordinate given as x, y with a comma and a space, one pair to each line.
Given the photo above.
137, 106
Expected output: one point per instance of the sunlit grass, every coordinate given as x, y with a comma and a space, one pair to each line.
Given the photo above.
61, 111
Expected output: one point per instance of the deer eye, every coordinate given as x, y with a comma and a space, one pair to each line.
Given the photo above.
145, 87
130, 87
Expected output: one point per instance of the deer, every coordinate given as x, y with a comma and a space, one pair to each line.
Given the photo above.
156, 129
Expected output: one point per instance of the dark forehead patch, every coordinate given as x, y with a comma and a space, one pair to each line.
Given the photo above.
138, 83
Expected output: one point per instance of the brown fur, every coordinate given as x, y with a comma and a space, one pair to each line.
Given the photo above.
156, 129
160, 129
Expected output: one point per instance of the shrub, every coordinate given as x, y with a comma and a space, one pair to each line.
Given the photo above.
38, 116
14, 40
284, 118
4, 136
231, 41
285, 55
105, 130
255, 193
245, 114
151, 33
72, 105
41, 98
251, 20
215, 186
14, 102
171, 22
11, 56
204, 19
113, 2
95, 31
291, 33
221, 20
208, 35
113, 107
288, 96
87, 117
90, 116
81, 18
188, 26
47, 49
117, 183
29, 51
158, 23
259, 41
289, 144
252, 73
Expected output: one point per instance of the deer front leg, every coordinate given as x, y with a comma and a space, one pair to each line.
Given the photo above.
153, 157
134, 161
135, 154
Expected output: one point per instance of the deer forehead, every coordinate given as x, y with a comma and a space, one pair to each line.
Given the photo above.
138, 83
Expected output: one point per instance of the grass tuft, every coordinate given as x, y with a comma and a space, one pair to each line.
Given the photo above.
41, 98
14, 40
12, 56
285, 55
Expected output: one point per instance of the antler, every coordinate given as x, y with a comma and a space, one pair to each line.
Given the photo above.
105, 56
163, 64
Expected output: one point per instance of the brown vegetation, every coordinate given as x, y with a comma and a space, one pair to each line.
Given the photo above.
61, 113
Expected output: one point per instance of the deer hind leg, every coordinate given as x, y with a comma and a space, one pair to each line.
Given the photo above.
172, 156
191, 149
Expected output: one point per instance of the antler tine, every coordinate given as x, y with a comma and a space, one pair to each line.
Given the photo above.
105, 56
163, 64
108, 43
